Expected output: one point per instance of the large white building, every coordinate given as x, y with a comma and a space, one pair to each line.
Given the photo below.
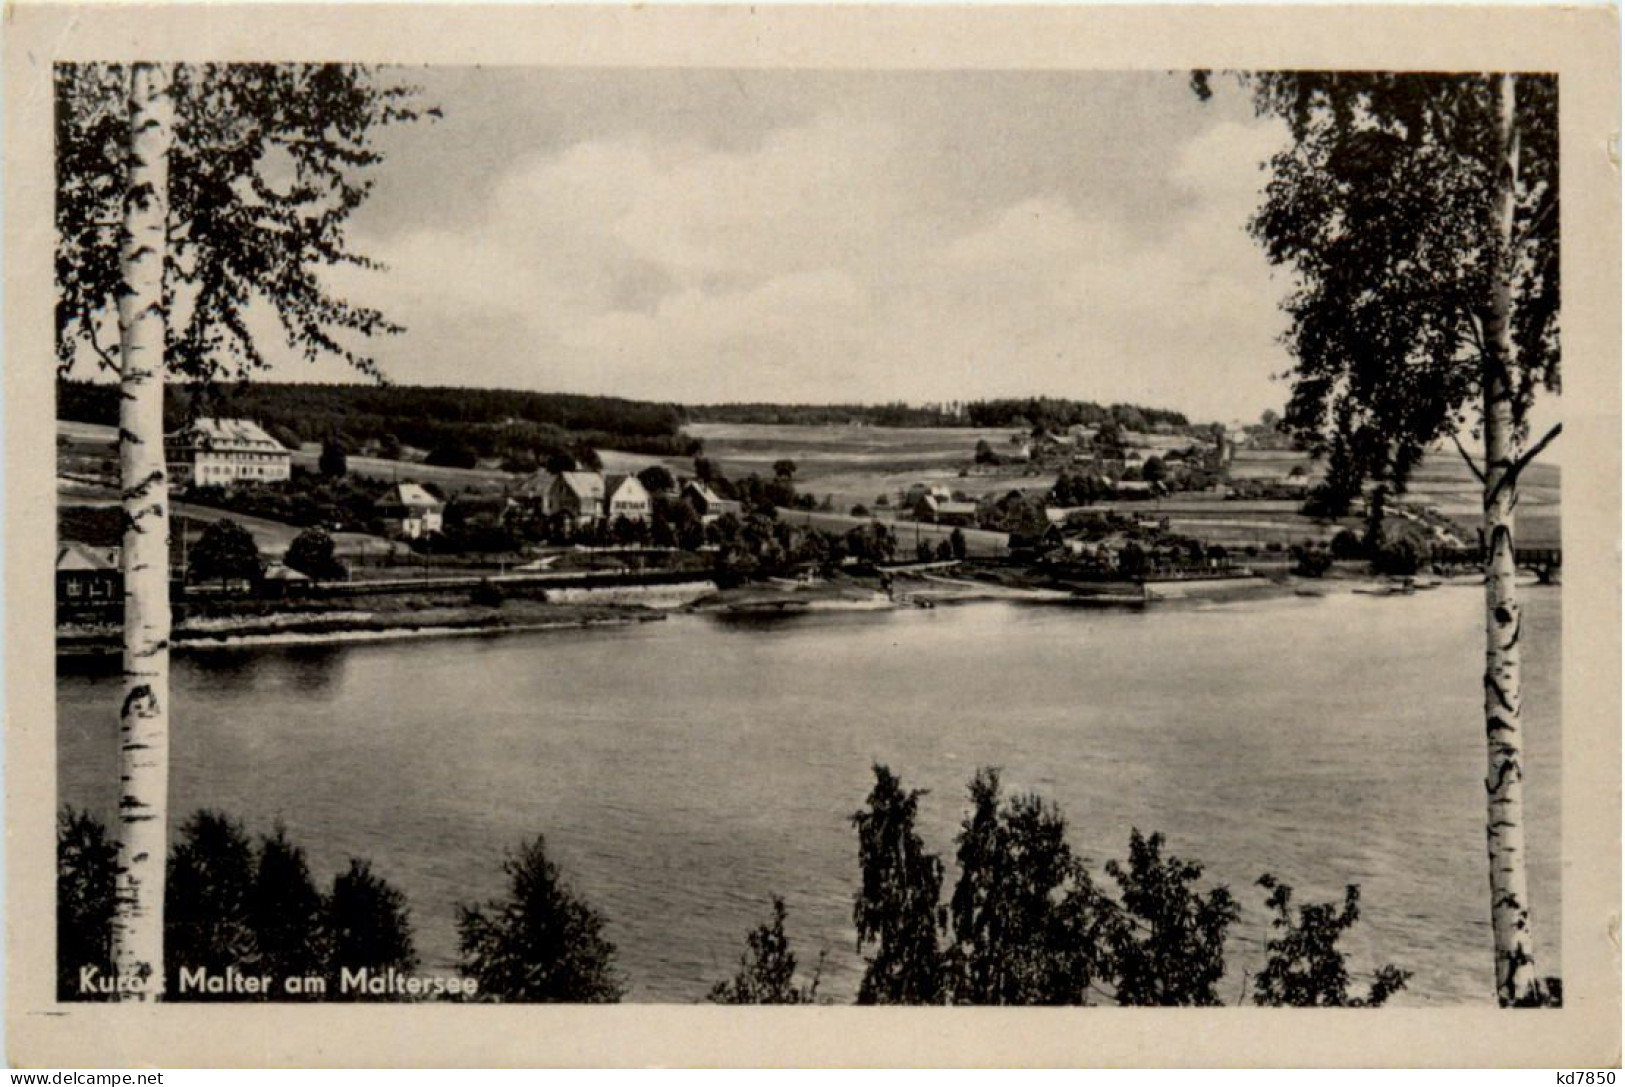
221, 452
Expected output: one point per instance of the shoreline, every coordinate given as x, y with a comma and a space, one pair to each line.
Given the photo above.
354, 626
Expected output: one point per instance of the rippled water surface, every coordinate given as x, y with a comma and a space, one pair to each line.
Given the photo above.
684, 771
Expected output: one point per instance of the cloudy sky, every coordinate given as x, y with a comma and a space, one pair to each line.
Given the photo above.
735, 235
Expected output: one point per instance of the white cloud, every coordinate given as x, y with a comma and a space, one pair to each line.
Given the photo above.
807, 267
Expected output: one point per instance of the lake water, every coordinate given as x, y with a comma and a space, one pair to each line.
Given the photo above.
684, 771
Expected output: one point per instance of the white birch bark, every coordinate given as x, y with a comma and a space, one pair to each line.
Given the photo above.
1503, 671
138, 919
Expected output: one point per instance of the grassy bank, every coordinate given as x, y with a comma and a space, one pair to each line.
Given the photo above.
361, 618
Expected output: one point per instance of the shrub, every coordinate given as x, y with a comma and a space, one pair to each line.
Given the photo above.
1399, 558
486, 595
540, 944
767, 969
1305, 968
85, 867
1312, 563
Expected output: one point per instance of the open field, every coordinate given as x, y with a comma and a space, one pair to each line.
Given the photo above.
854, 465
978, 542
271, 537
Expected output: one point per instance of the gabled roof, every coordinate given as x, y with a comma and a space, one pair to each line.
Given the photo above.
587, 486
243, 434
706, 494
71, 555
536, 484
410, 495
614, 484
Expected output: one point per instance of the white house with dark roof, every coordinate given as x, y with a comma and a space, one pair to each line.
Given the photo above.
223, 452
409, 510
626, 496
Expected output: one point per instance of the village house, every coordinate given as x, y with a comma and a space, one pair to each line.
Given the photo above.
940, 511
626, 496
917, 491
87, 576
409, 510
223, 452
706, 502
535, 492
577, 498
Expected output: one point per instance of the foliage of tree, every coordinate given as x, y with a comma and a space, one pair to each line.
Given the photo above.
208, 919
767, 969
367, 925
1305, 967
1311, 562
784, 469
286, 912
1346, 545
266, 164
1397, 558
1048, 412
897, 908
872, 542
230, 906
657, 479
1132, 560
1154, 470
1078, 488
454, 454
1166, 944
1384, 203
226, 551
85, 857
311, 553
1419, 213
541, 943
486, 594
1025, 913
1014, 511
333, 462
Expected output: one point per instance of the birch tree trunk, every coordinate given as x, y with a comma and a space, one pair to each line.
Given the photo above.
1503, 672
138, 917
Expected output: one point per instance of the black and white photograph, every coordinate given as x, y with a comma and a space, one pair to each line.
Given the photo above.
812, 534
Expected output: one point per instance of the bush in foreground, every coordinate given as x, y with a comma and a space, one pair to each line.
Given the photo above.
540, 944
767, 969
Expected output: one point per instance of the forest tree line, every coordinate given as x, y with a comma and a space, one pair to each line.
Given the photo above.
526, 427
1025, 923
1022, 412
